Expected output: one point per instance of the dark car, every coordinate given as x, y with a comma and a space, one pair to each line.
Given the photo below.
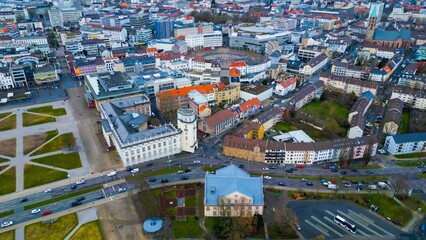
184, 178
354, 182
370, 172
128, 168
79, 199
187, 170
100, 196
289, 171
164, 180
75, 204
152, 180
354, 170
343, 172
241, 166
150, 164
334, 170
178, 163
309, 183
281, 183
272, 167
24, 200
293, 169
74, 186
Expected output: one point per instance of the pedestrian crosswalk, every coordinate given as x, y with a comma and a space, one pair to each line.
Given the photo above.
366, 227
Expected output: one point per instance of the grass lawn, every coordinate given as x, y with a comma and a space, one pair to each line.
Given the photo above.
190, 202
3, 167
170, 194
410, 163
171, 211
52, 231
187, 229
57, 199
284, 126
6, 213
31, 142
3, 115
61, 142
329, 113
89, 231
66, 161
411, 155
3, 160
8, 123
35, 176
413, 202
423, 175
9, 235
48, 110
8, 181
29, 119
154, 173
388, 207
405, 126
8, 147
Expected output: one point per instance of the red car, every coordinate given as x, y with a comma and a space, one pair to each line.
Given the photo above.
325, 167
300, 166
47, 212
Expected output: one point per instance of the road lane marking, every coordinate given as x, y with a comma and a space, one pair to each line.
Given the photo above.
326, 226
371, 222
317, 228
357, 222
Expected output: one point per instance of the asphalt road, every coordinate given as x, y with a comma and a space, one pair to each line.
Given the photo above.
316, 218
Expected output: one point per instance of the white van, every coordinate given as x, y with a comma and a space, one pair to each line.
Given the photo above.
332, 186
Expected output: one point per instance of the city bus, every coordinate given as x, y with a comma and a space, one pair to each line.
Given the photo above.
342, 222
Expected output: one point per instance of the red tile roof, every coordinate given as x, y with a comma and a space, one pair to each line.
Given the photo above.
203, 89
249, 104
288, 82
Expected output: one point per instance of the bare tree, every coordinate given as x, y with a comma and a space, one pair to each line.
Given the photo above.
285, 218
399, 185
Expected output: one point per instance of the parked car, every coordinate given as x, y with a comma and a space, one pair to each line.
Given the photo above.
122, 189
354, 170
267, 177
304, 180
48, 190
73, 186
300, 166
100, 196
169, 161
152, 180
180, 172
309, 183
343, 172
80, 182
164, 180
197, 161
135, 170
47, 212
187, 170
150, 164
265, 169
325, 167
113, 173
24, 200
184, 178
129, 168
281, 183
334, 170
6, 224
241, 166
35, 211
289, 171
370, 172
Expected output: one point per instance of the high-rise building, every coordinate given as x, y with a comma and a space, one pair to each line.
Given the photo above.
187, 122
376, 11
164, 28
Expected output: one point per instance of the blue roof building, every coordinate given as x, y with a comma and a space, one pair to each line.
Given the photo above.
383, 35
406, 143
231, 191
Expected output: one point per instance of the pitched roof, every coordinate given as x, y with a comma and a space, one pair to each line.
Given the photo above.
232, 179
288, 82
410, 137
249, 104
219, 117
203, 89
383, 35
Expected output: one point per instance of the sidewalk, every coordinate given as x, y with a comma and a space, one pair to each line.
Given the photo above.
84, 216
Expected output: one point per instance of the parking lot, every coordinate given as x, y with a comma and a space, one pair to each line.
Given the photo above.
317, 218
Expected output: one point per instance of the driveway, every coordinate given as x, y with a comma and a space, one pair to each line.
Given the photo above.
316, 218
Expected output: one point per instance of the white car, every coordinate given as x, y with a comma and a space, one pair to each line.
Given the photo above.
169, 161
122, 189
80, 182
179, 172
48, 190
34, 211
6, 224
265, 169
113, 173
197, 161
267, 177
135, 170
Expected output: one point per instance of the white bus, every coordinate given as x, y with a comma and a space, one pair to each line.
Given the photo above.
347, 225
